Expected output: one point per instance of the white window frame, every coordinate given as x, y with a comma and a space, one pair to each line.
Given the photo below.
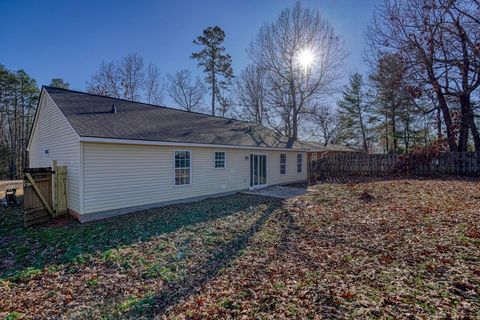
175, 168
215, 160
300, 157
285, 164
314, 155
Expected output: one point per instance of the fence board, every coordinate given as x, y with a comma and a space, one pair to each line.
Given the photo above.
458, 163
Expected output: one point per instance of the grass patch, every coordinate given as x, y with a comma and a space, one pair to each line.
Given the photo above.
411, 249
159, 271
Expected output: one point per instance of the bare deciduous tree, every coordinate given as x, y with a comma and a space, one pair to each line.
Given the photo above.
187, 93
438, 42
128, 79
154, 85
132, 76
327, 124
105, 81
250, 89
301, 57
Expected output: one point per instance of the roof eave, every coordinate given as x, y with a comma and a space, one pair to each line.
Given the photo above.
180, 144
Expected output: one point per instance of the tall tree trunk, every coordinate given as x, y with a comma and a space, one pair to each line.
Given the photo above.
294, 111
447, 118
387, 146
439, 124
214, 89
475, 133
407, 133
295, 126
469, 116
362, 127
463, 134
394, 128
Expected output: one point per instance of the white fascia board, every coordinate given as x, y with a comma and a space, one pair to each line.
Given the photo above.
178, 144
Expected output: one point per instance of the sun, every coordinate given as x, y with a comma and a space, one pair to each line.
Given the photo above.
306, 58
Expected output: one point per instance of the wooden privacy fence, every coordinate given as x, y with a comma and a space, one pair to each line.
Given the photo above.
45, 194
456, 163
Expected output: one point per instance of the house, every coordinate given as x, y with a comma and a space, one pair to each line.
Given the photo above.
318, 150
125, 156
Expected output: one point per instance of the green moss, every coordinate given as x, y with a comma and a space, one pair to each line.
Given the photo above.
25, 275
91, 283
14, 315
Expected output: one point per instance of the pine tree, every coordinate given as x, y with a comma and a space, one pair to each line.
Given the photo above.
59, 83
353, 112
215, 62
18, 99
392, 105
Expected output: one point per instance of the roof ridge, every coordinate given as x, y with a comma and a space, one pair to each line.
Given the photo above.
153, 105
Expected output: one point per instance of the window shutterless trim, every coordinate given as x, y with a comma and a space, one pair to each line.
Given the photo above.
175, 168
285, 164
299, 162
215, 160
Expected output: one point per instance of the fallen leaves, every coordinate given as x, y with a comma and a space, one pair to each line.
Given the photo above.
385, 249
391, 249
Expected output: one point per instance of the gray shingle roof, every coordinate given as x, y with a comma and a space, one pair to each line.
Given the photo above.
90, 115
317, 146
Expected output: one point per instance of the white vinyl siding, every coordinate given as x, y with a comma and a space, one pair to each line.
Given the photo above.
121, 176
54, 139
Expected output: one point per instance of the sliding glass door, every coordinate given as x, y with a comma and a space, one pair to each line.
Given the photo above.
258, 170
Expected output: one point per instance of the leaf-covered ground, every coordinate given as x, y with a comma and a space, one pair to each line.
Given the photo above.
385, 249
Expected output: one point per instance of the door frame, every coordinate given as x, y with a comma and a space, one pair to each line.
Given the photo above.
258, 186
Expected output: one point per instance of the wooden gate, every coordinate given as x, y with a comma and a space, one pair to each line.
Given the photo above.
37, 195
60, 189
45, 194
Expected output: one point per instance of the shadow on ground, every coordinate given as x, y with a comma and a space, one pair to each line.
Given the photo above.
43, 246
200, 274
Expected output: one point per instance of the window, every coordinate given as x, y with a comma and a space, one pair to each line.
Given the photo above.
46, 152
219, 160
283, 163
182, 168
299, 162
314, 156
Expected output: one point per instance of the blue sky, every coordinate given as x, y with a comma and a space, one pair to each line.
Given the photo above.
69, 39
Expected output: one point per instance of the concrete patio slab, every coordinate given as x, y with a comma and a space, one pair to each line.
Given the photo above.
280, 192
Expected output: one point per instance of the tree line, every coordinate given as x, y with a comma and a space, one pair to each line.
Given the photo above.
19, 95
421, 87
433, 50
275, 89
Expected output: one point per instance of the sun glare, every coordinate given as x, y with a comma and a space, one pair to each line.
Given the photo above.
306, 57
